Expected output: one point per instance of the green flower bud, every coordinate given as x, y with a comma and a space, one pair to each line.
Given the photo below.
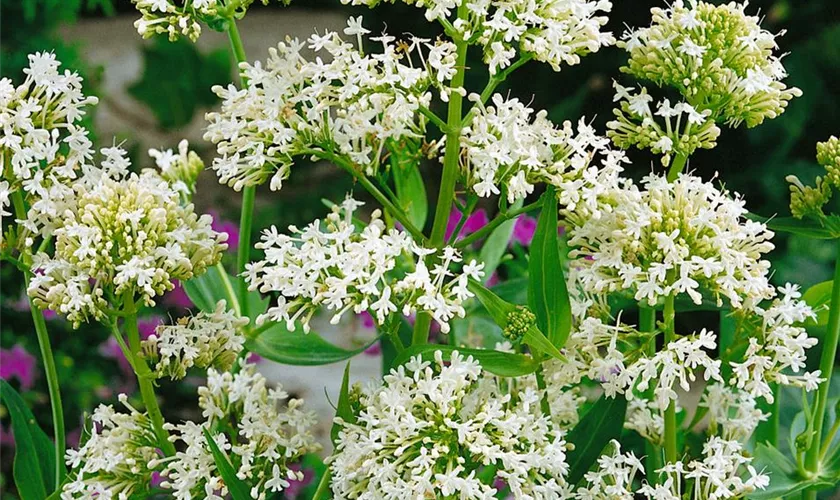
519, 321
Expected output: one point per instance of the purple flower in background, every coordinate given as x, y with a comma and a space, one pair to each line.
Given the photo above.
367, 320
523, 230
225, 226
474, 222
177, 297
375, 349
6, 437
296, 487
492, 280
254, 358
17, 362
73, 437
22, 305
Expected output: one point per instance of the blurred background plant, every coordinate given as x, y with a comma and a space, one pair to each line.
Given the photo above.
163, 99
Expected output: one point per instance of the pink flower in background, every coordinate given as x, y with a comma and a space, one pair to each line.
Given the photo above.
177, 297
6, 437
254, 358
523, 230
492, 280
475, 221
225, 226
296, 487
111, 348
367, 320
17, 362
73, 437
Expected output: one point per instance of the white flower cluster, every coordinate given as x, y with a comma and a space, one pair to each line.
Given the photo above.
505, 149
556, 32
673, 238
180, 169
342, 269
733, 414
44, 147
430, 429
777, 344
718, 57
343, 102
203, 341
683, 129
644, 416
723, 472
118, 459
262, 441
182, 18
127, 235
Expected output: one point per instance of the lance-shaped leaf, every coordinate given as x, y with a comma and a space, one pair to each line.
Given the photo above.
298, 348
34, 463
819, 298
502, 311
503, 364
411, 190
215, 285
343, 410
496, 245
237, 488
601, 424
784, 478
547, 294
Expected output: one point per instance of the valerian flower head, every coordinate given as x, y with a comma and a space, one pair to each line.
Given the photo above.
202, 341
118, 459
128, 236
716, 56
669, 131
343, 269
263, 439
177, 18
672, 238
777, 344
733, 414
180, 169
506, 151
344, 103
614, 478
557, 32
808, 201
431, 427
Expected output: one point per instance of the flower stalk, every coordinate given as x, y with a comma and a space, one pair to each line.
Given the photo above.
670, 437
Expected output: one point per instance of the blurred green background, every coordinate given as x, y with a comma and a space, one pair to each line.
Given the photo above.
166, 100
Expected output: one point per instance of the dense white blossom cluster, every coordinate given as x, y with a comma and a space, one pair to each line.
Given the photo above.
506, 150
118, 459
614, 478
179, 168
557, 32
203, 341
673, 238
261, 440
809, 201
342, 102
733, 414
343, 269
683, 129
717, 56
432, 426
126, 236
777, 344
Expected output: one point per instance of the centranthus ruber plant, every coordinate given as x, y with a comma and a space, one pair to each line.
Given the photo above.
523, 357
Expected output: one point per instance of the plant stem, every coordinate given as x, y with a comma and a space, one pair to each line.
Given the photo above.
144, 377
246, 216
47, 358
653, 460
496, 222
449, 177
676, 167
832, 335
670, 413
323, 487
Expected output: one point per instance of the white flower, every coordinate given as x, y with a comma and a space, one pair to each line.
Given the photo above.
344, 270
430, 429
204, 340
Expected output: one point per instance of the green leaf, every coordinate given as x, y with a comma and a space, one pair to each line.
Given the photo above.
497, 243
784, 478
819, 298
411, 190
215, 285
503, 364
601, 424
805, 227
499, 311
297, 348
34, 463
547, 294
344, 410
177, 80
237, 488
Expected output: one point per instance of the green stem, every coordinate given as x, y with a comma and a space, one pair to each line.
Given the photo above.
47, 358
496, 222
494, 82
676, 167
449, 177
832, 335
670, 413
144, 377
544, 404
249, 193
322, 493
653, 452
